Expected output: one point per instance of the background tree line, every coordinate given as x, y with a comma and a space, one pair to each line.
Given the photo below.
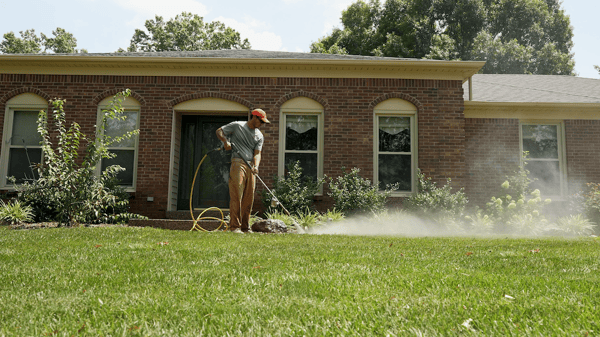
185, 32
512, 36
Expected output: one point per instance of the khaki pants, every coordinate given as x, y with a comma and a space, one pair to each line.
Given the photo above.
241, 192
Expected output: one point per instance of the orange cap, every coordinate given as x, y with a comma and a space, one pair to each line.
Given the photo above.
261, 114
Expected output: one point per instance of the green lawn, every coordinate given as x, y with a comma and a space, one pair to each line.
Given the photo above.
124, 281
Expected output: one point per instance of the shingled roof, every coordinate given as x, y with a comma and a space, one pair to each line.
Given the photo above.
533, 88
236, 54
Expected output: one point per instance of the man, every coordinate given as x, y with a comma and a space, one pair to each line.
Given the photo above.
248, 142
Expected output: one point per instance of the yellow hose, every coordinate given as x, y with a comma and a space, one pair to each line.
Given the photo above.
196, 226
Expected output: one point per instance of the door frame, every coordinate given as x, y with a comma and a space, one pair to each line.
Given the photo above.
201, 106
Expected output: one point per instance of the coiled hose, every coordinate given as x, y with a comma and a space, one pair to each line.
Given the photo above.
200, 217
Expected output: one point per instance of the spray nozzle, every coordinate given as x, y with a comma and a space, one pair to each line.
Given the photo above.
274, 202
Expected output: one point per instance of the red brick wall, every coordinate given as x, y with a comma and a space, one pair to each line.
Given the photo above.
348, 106
583, 152
492, 153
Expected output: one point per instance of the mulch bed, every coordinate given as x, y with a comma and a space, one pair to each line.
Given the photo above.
40, 225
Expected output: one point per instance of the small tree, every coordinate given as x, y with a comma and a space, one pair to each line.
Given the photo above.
68, 189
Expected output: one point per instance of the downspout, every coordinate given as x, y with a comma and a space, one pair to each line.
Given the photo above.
470, 88
170, 205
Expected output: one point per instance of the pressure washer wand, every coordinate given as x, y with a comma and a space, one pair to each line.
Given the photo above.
257, 176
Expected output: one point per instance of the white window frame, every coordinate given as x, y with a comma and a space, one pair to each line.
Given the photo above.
307, 107
129, 105
396, 107
562, 158
22, 102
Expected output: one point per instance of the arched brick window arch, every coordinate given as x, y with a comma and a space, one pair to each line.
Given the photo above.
210, 94
302, 93
23, 90
111, 92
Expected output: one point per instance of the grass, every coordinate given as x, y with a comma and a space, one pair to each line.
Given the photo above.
124, 281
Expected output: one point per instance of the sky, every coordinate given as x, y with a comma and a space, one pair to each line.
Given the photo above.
104, 26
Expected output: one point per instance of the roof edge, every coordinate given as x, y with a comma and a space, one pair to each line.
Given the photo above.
532, 110
214, 66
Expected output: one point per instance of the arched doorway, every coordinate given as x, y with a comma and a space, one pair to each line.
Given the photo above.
200, 119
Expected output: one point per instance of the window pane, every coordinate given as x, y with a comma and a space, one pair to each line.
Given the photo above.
547, 174
24, 130
124, 159
395, 169
117, 128
308, 163
301, 132
394, 134
541, 141
20, 161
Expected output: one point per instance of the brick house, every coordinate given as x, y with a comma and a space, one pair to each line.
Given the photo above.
386, 116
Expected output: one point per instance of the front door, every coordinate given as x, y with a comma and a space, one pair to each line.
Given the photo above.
198, 137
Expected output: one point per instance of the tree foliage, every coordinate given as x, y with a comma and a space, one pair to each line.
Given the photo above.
29, 43
186, 32
513, 36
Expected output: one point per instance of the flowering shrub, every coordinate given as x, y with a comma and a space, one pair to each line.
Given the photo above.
518, 209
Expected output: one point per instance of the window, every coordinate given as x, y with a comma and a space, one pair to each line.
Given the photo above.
545, 160
395, 145
21, 149
126, 150
301, 136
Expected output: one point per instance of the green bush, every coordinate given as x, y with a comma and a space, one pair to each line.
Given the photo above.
307, 218
353, 194
14, 212
294, 191
437, 203
68, 189
572, 225
592, 202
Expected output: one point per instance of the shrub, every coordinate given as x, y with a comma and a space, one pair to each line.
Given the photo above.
288, 220
592, 202
307, 218
294, 191
68, 189
353, 194
574, 224
14, 212
436, 202
518, 209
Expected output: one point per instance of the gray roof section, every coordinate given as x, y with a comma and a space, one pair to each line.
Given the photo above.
239, 54
533, 88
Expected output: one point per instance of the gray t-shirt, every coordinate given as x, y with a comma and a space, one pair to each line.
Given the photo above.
246, 140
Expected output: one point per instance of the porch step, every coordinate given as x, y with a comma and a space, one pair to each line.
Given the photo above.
209, 225
185, 215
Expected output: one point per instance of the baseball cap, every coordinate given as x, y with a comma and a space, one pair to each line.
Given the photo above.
261, 114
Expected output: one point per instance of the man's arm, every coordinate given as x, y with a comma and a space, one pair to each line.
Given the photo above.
222, 138
256, 161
